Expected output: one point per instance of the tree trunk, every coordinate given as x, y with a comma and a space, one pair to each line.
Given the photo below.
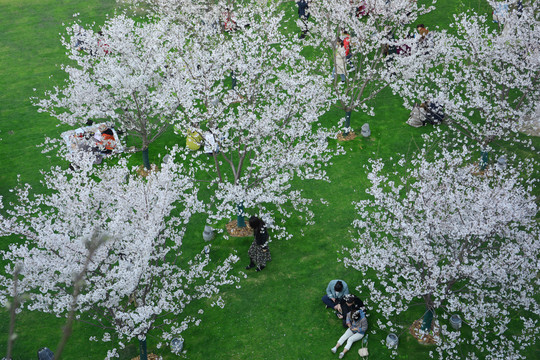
240, 221
347, 123
427, 320
484, 159
146, 160
12, 312
233, 80
142, 349
428, 316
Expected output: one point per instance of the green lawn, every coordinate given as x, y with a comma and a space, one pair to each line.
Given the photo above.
276, 314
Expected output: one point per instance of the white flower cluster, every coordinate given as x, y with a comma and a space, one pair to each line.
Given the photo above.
371, 66
123, 233
486, 79
146, 76
462, 243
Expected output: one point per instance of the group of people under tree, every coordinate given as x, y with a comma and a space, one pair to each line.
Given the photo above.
343, 54
350, 309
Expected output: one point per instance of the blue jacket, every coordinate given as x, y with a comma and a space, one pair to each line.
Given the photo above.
331, 293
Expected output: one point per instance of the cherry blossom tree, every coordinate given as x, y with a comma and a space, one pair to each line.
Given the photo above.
121, 75
219, 14
184, 10
381, 50
260, 107
485, 76
126, 233
460, 243
266, 127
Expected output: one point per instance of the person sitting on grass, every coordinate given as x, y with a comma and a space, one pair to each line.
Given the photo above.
109, 142
357, 326
422, 32
434, 112
349, 303
335, 291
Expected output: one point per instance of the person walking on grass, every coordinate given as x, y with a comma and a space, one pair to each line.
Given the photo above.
357, 326
259, 254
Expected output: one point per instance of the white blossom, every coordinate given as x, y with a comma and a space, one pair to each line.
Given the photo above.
136, 280
266, 128
486, 79
457, 241
375, 39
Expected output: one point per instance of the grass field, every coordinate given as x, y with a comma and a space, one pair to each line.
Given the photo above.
276, 314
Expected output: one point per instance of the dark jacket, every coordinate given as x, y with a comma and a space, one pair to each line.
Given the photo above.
261, 236
357, 304
302, 7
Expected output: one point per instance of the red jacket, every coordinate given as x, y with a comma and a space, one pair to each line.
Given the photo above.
347, 44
